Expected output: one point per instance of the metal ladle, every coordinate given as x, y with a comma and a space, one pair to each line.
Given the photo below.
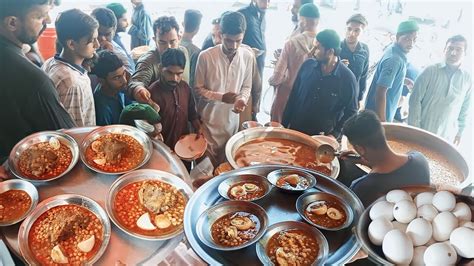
325, 153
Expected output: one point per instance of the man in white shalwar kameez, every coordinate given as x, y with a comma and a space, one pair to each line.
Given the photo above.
223, 85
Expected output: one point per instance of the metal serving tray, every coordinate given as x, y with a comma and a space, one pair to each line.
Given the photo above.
280, 206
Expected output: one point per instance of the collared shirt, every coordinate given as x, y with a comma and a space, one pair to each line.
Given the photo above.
177, 108
108, 108
255, 33
28, 98
193, 52
441, 104
148, 67
74, 88
358, 63
370, 187
124, 56
321, 103
390, 73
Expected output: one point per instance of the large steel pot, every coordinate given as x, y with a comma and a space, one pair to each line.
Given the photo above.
242, 137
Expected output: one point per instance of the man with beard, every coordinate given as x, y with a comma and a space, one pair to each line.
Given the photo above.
325, 91
297, 4
387, 84
255, 33
355, 54
223, 84
28, 98
122, 21
77, 33
148, 66
174, 97
441, 96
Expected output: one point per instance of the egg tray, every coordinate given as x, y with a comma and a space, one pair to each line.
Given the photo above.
280, 206
375, 252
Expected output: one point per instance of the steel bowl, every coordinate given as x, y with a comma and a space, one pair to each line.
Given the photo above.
284, 226
277, 174
23, 185
242, 137
251, 124
208, 217
43, 136
143, 175
273, 124
59, 200
137, 134
304, 200
225, 185
375, 252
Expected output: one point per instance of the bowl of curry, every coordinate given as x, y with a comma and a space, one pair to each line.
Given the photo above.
148, 204
116, 149
244, 187
324, 211
232, 225
272, 145
44, 156
292, 243
64, 229
292, 181
17, 199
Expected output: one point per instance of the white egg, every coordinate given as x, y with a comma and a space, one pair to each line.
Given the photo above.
427, 212
86, 245
404, 211
418, 253
397, 195
443, 224
144, 222
378, 228
467, 224
423, 199
440, 254
400, 226
462, 239
382, 209
397, 247
462, 212
444, 201
419, 231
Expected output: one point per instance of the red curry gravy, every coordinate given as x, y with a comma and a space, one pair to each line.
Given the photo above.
292, 247
13, 205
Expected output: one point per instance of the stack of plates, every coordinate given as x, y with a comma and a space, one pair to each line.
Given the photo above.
191, 147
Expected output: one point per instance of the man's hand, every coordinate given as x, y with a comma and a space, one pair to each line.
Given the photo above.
141, 95
197, 128
277, 54
345, 62
345, 156
457, 140
239, 106
229, 97
106, 45
3, 173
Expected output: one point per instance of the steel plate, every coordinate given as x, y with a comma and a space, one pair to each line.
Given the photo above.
24, 186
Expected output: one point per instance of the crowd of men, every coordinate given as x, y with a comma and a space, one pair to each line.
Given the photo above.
320, 80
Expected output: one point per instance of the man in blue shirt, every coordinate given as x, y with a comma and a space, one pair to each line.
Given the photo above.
109, 96
390, 170
387, 85
325, 91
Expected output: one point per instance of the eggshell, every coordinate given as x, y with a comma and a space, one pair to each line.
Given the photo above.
404, 211
439, 254
418, 253
378, 228
381, 209
443, 224
419, 231
427, 212
444, 201
397, 195
462, 239
400, 226
467, 224
397, 247
462, 211
423, 199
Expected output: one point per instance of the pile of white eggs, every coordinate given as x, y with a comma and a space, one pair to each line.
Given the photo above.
431, 229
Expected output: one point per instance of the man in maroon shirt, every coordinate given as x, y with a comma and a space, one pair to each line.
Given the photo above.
174, 97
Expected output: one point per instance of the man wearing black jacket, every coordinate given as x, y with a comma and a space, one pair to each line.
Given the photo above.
255, 33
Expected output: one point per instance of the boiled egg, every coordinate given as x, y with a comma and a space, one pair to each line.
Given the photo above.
397, 247
440, 254
462, 239
467, 224
378, 228
443, 224
58, 256
86, 245
423, 199
444, 201
427, 212
462, 211
54, 143
397, 195
419, 231
144, 222
418, 253
162, 221
400, 226
382, 209
404, 211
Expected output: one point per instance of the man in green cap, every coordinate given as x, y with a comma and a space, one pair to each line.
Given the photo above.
296, 50
122, 21
387, 85
325, 91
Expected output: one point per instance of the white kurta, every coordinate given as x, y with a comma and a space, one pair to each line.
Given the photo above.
215, 76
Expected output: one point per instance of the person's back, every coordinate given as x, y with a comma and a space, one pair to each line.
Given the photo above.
390, 170
28, 98
140, 29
